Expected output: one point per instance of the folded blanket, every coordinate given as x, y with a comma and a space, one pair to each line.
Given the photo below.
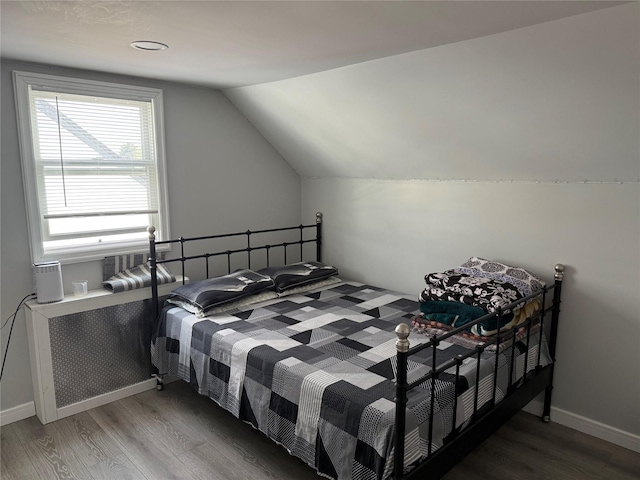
454, 308
485, 293
523, 280
450, 313
137, 277
425, 327
456, 314
459, 296
444, 313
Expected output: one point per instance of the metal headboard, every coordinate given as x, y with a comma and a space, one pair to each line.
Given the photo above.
248, 250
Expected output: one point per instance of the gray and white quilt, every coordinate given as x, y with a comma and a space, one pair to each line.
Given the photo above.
315, 373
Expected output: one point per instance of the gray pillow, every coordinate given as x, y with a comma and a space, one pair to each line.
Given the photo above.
215, 291
297, 274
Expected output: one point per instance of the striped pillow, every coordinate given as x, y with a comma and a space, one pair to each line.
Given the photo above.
119, 263
137, 277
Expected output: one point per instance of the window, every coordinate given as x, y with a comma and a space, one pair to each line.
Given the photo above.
93, 166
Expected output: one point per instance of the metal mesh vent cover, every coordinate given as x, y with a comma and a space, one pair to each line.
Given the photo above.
99, 351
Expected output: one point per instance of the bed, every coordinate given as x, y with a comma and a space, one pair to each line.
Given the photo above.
354, 379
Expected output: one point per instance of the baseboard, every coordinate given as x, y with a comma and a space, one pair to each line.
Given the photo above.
17, 413
20, 412
103, 399
588, 426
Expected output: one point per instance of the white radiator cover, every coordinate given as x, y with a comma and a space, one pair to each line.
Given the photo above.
99, 351
91, 350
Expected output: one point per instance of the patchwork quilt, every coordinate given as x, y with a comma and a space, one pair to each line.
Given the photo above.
315, 373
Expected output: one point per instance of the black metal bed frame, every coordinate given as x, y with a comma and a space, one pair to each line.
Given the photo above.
488, 418
484, 420
249, 249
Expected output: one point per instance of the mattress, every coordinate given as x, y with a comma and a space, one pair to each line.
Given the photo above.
315, 373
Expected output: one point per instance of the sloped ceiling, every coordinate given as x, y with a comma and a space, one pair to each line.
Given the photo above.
225, 44
434, 90
555, 102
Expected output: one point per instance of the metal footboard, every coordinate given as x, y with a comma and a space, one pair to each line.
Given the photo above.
488, 417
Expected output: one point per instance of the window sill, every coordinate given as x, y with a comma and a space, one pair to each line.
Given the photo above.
99, 298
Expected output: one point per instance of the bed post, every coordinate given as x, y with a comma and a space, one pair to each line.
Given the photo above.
402, 347
152, 267
318, 236
154, 290
555, 315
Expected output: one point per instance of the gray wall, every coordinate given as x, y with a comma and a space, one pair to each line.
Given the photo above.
555, 101
391, 233
520, 147
223, 176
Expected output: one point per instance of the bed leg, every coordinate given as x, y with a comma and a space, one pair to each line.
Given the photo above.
159, 383
546, 411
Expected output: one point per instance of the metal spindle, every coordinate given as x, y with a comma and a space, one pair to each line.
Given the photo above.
182, 259
301, 243
479, 349
495, 367
512, 362
434, 351
541, 331
526, 352
248, 249
455, 395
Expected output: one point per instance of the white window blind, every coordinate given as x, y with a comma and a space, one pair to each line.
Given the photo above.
96, 166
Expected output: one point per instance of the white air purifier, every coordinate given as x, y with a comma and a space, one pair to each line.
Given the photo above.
48, 280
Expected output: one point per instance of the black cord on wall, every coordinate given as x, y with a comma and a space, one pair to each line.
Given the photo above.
13, 321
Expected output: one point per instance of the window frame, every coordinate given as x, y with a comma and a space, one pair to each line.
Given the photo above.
23, 81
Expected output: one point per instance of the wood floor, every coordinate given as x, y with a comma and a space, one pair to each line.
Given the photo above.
177, 434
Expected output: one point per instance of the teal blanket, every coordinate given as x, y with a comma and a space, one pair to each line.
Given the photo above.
457, 314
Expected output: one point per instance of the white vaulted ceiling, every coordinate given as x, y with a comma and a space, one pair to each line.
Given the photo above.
435, 90
235, 43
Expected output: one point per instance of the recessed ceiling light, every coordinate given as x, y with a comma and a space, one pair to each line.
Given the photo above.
149, 45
